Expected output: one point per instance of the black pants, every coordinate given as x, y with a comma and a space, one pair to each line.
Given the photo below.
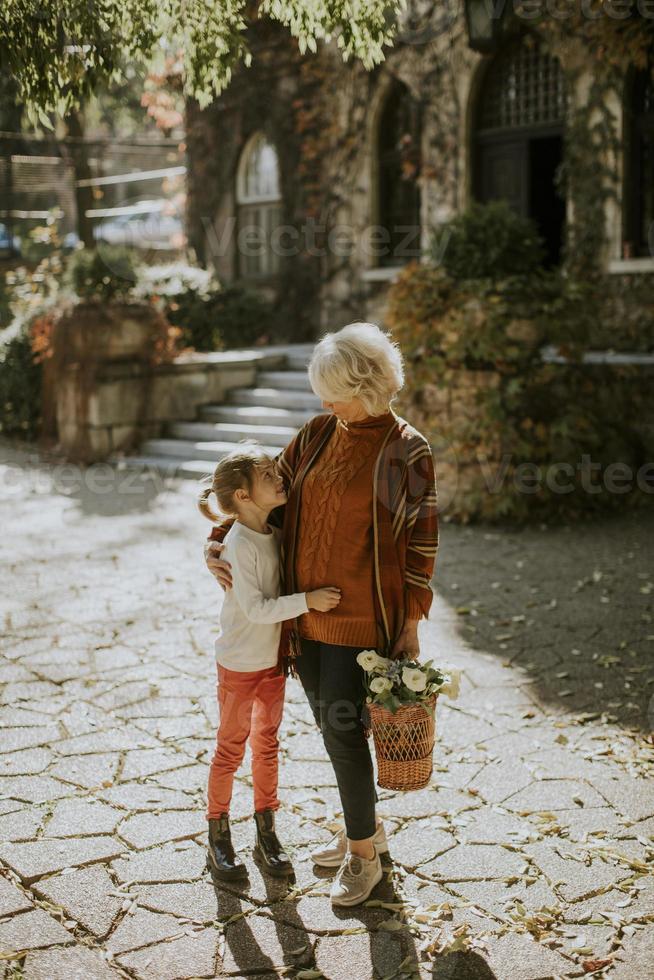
333, 683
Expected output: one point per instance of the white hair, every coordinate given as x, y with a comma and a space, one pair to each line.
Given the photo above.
359, 361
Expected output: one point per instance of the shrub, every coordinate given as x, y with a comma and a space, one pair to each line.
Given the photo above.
20, 388
222, 318
106, 273
477, 382
488, 241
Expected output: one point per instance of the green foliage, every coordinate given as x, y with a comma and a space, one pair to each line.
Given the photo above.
488, 241
59, 50
521, 427
221, 318
106, 274
20, 388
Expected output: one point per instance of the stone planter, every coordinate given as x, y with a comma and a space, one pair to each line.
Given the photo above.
88, 339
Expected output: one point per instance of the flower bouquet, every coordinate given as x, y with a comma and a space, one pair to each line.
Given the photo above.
401, 701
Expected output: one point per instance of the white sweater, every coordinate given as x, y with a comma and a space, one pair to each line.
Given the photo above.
253, 610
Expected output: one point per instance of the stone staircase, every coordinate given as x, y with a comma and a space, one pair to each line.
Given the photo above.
271, 412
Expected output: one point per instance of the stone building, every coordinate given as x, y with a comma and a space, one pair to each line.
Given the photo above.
315, 180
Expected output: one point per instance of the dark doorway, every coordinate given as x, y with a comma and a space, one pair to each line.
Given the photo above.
546, 206
518, 138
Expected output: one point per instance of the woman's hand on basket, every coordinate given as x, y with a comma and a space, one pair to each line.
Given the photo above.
407, 645
220, 569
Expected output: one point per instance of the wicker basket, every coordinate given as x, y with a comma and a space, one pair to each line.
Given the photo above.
404, 744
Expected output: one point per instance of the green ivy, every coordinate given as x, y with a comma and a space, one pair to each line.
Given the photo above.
529, 413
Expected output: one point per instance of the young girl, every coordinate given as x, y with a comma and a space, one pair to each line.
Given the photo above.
248, 486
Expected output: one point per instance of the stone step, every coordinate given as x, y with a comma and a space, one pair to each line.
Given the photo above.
254, 415
171, 466
295, 380
187, 450
231, 432
273, 398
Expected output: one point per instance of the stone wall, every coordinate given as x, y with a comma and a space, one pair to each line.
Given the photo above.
112, 399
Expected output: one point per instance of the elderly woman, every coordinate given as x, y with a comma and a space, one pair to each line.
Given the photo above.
362, 516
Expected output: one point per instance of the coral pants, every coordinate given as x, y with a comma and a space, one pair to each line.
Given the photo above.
250, 705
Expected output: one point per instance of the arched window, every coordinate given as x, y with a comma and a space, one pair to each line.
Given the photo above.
639, 173
258, 199
398, 154
518, 137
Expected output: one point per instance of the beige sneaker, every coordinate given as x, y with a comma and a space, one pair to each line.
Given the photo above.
356, 878
331, 856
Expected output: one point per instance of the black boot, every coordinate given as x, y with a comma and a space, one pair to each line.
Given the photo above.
221, 859
268, 848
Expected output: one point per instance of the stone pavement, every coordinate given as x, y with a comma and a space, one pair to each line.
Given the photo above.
527, 857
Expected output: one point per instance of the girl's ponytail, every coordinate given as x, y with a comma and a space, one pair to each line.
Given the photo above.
205, 509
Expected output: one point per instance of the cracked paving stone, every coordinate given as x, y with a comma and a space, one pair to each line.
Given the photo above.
305, 774
189, 956
84, 896
28, 691
361, 957
32, 930
574, 877
175, 728
147, 762
173, 863
27, 762
78, 963
586, 821
553, 794
12, 899
306, 747
36, 858
632, 797
32, 789
257, 943
145, 829
495, 896
114, 740
142, 929
418, 843
14, 672
492, 827
20, 717
635, 960
21, 825
458, 730
147, 796
468, 862
158, 708
500, 779
189, 778
426, 802
81, 818
200, 901
87, 771
317, 914
14, 739
521, 958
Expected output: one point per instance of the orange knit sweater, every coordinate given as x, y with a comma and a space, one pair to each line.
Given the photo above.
335, 534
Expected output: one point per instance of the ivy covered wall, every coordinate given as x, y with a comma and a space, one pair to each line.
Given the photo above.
323, 118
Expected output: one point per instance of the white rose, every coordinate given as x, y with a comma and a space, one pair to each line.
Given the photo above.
367, 659
381, 684
414, 679
452, 686
370, 660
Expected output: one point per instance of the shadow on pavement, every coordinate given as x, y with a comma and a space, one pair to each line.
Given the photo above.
571, 605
